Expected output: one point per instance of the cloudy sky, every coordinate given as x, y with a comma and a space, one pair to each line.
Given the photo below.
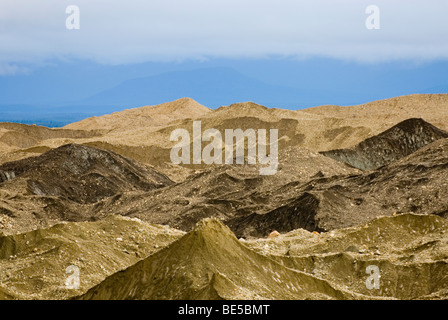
123, 32
279, 53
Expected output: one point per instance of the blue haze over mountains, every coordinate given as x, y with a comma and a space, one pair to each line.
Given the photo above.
58, 93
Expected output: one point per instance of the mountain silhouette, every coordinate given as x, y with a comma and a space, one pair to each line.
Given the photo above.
212, 87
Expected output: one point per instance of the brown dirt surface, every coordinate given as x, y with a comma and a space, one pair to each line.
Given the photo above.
416, 183
378, 116
356, 186
410, 250
33, 264
210, 263
25, 136
143, 133
395, 143
147, 116
67, 183
227, 191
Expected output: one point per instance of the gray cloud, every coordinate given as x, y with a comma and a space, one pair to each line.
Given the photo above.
140, 30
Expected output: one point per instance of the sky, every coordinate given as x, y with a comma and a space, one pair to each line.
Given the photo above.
43, 37
132, 31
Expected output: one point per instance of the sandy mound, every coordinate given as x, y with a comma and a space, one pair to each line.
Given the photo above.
381, 114
81, 174
318, 129
143, 133
68, 183
25, 136
34, 264
210, 263
227, 191
416, 183
395, 143
409, 250
148, 116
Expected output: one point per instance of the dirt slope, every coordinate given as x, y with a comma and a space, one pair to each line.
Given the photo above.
25, 136
147, 116
143, 134
226, 191
33, 264
409, 250
416, 183
382, 114
81, 174
66, 184
210, 263
397, 142
335, 220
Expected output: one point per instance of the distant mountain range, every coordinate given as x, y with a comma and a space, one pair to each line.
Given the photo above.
63, 93
212, 87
